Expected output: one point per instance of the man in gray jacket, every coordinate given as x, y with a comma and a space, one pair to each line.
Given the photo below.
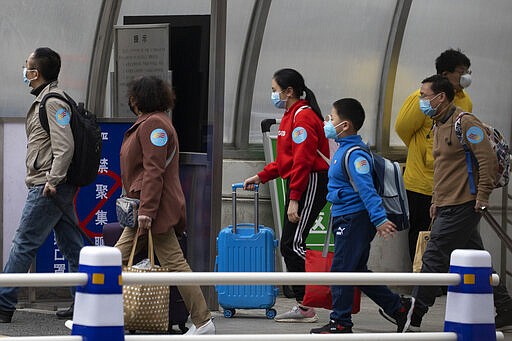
48, 158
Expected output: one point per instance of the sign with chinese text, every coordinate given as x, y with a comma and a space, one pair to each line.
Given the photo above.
138, 50
95, 203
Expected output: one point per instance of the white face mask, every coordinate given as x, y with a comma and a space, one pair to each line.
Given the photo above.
465, 80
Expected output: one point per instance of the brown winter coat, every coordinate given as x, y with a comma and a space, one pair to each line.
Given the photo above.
451, 180
146, 147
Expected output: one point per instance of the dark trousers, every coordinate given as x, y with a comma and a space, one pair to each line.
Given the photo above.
419, 217
455, 227
353, 234
293, 238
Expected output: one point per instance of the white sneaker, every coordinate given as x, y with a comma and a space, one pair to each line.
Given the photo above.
206, 329
69, 324
298, 314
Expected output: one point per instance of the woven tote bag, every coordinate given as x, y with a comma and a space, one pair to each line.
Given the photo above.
146, 307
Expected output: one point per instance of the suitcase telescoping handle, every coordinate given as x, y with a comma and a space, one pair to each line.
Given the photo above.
234, 187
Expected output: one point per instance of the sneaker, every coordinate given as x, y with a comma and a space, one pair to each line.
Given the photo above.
298, 314
332, 327
66, 314
69, 324
503, 320
206, 329
6, 316
415, 325
403, 315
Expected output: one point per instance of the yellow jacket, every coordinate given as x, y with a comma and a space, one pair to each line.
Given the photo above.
415, 130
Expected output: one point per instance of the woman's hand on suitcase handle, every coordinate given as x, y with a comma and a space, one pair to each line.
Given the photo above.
293, 211
144, 222
249, 182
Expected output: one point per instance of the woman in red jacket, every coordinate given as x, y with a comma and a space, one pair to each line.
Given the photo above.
300, 140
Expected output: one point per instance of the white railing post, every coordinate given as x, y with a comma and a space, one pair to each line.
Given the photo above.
470, 305
98, 313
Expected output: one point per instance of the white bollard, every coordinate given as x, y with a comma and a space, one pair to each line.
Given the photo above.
470, 305
98, 313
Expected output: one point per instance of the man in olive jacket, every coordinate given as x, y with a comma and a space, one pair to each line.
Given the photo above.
455, 209
48, 158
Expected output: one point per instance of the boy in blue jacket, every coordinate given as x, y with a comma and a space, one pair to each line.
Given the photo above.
357, 216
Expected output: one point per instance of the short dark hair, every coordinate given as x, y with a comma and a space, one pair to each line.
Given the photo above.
350, 109
47, 62
151, 94
440, 84
450, 59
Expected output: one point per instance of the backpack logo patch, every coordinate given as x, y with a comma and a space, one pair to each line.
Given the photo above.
475, 135
299, 135
62, 117
158, 137
361, 165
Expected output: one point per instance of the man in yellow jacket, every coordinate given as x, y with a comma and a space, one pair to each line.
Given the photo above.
415, 130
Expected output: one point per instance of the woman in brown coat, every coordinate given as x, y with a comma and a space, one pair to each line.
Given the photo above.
150, 172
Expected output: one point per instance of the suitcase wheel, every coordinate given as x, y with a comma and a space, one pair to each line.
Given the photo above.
228, 313
271, 313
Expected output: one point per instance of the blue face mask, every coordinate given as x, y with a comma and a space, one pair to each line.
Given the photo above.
278, 102
25, 79
426, 108
330, 130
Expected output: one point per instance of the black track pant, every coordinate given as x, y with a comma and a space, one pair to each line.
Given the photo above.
419, 217
293, 238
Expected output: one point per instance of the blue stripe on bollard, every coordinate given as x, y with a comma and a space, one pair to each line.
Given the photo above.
99, 333
473, 280
473, 331
102, 279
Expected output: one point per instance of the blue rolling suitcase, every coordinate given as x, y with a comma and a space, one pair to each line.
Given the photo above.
246, 247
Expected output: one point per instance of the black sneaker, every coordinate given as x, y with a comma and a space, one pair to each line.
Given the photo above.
503, 320
6, 316
332, 327
66, 314
415, 325
403, 315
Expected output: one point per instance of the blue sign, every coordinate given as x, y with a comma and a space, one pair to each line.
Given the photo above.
95, 203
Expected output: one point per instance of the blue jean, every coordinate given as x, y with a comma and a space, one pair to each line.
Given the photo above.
40, 215
353, 234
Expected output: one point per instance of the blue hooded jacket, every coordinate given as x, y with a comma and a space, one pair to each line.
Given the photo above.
344, 199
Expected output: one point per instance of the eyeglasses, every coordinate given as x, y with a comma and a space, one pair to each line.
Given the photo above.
463, 71
328, 118
424, 96
24, 67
